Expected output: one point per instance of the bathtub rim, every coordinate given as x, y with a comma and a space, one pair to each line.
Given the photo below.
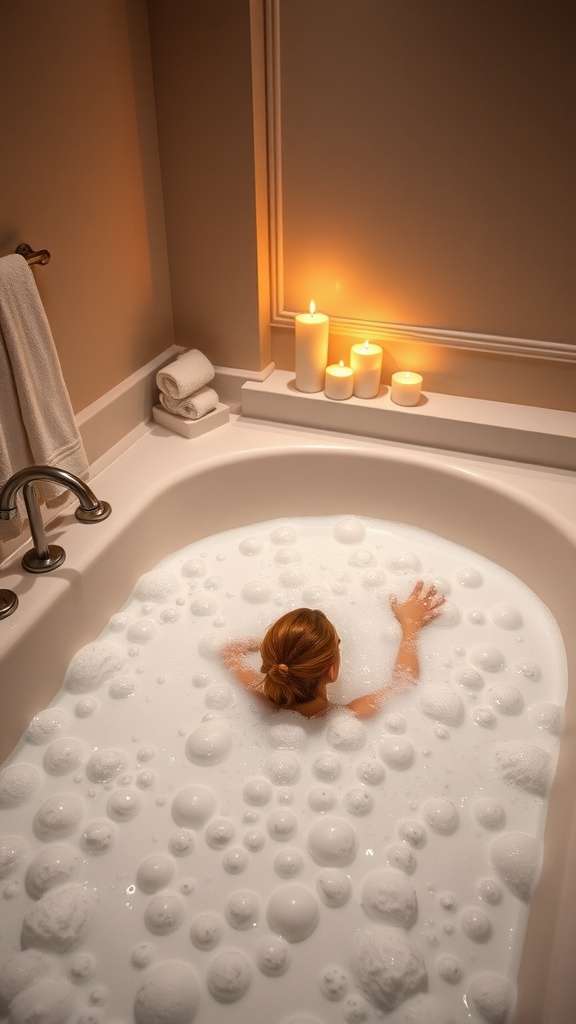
174, 477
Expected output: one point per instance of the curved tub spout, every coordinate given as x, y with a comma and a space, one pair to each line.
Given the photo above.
44, 557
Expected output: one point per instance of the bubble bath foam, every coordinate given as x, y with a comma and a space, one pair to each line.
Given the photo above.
171, 849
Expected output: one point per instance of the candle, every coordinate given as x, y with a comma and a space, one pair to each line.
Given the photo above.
311, 349
339, 381
406, 388
366, 362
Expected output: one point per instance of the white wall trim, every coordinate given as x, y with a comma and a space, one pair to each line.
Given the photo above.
377, 330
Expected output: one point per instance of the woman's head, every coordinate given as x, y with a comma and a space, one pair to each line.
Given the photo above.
298, 653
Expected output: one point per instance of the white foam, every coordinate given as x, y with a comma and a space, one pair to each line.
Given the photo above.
174, 845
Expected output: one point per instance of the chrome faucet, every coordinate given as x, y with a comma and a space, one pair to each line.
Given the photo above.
44, 557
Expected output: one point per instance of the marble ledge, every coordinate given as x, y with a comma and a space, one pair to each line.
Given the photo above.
519, 433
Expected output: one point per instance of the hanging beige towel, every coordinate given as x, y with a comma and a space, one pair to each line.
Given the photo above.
191, 371
37, 425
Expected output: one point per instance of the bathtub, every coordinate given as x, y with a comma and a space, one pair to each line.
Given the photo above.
166, 492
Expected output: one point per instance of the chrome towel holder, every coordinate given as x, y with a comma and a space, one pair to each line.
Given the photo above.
32, 255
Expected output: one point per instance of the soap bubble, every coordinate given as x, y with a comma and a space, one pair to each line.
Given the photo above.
288, 863
282, 825
257, 791
228, 977
349, 531
487, 657
476, 924
285, 534
388, 896
18, 783
257, 592
45, 725
293, 912
209, 743
387, 967
98, 837
169, 992
92, 666
12, 853
346, 732
332, 842
441, 815
206, 930
327, 766
397, 752
506, 617
333, 983
282, 768
164, 913
154, 873
123, 805
58, 816
105, 765
516, 858
272, 957
242, 910
468, 577
60, 919
334, 887
51, 867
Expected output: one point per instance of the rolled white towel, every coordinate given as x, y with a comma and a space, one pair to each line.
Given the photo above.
194, 406
190, 372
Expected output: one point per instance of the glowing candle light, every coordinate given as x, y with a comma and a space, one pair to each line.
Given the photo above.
311, 349
339, 381
366, 362
406, 387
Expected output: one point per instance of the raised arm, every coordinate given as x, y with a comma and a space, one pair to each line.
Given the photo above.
421, 606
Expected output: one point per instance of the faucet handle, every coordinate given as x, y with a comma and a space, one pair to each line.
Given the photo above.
8, 603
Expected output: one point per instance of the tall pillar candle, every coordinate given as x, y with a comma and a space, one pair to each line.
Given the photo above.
366, 362
311, 349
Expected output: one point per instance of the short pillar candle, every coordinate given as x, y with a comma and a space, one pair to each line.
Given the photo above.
366, 362
406, 387
311, 354
339, 381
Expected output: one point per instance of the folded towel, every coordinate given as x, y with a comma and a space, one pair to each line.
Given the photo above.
187, 374
192, 408
37, 422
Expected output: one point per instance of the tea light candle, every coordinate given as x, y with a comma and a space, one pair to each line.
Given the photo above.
406, 387
366, 362
339, 381
311, 349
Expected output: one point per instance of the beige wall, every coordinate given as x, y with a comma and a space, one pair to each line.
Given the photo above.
79, 176
163, 238
215, 220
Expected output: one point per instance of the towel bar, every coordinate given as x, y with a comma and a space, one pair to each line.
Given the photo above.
32, 256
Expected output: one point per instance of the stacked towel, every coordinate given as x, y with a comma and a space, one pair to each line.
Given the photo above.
37, 425
182, 386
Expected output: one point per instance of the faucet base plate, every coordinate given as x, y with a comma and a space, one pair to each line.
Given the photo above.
32, 562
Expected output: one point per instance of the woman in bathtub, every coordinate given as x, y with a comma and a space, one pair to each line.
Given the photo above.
301, 658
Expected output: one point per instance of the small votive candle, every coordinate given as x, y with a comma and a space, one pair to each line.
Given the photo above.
366, 362
406, 387
339, 381
311, 339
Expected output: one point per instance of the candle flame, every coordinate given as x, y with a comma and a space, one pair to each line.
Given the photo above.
366, 345
341, 364
312, 308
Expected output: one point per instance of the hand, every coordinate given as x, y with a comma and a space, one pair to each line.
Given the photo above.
422, 605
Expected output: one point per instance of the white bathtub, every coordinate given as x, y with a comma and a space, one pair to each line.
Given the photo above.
166, 491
